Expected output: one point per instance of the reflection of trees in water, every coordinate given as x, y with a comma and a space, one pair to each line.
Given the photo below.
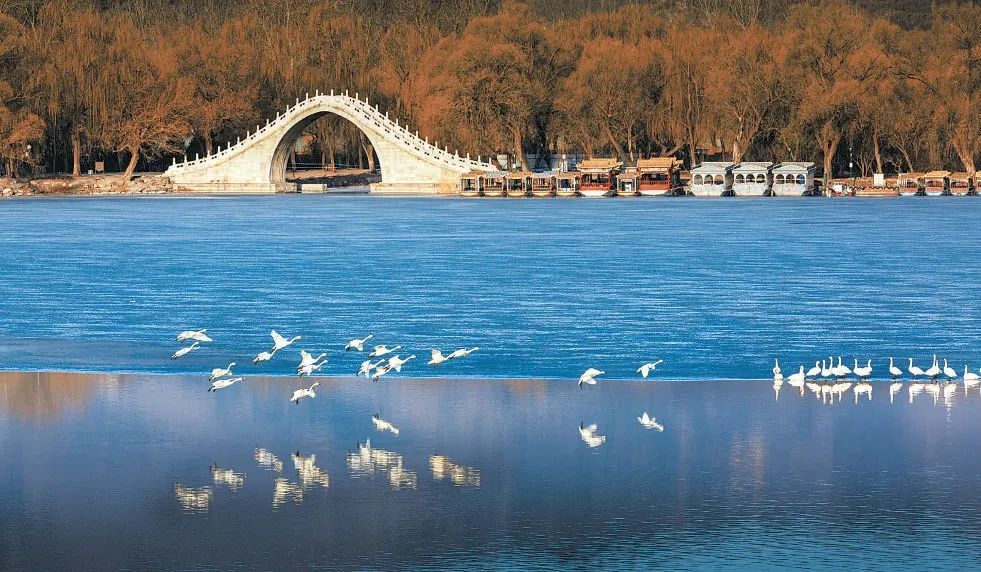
41, 397
368, 461
459, 475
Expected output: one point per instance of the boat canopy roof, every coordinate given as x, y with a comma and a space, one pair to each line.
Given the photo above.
936, 175
910, 175
495, 174
713, 168
518, 175
474, 175
566, 175
657, 164
544, 174
599, 165
961, 176
753, 167
794, 167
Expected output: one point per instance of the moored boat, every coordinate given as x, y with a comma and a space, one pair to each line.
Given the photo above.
471, 184
659, 176
597, 177
494, 184
712, 179
935, 183
543, 184
752, 179
909, 184
627, 183
793, 179
566, 184
961, 183
517, 184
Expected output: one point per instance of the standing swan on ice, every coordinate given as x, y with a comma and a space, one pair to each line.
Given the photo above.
776, 369
647, 368
357, 344
894, 371
305, 392
862, 372
970, 379
797, 379
950, 372
185, 350
915, 371
814, 371
934, 370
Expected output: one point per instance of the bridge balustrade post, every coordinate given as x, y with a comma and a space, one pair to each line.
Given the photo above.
332, 93
316, 93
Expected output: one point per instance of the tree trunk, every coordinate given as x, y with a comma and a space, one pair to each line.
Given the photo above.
829, 145
369, 152
518, 151
966, 157
134, 158
737, 152
209, 144
909, 164
875, 149
692, 158
613, 141
76, 152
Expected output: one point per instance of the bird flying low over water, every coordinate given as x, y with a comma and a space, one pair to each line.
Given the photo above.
307, 360
221, 372
381, 370
308, 370
588, 435
396, 362
589, 376
263, 356
382, 349
304, 392
185, 350
650, 422
357, 344
462, 352
382, 425
437, 358
223, 383
279, 342
367, 365
647, 368
197, 335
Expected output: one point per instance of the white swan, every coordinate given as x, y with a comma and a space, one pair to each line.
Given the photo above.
308, 370
304, 392
197, 335
934, 370
950, 372
862, 372
797, 379
367, 365
185, 350
589, 376
263, 356
357, 344
915, 371
776, 369
396, 362
437, 358
841, 370
307, 360
381, 370
381, 350
650, 422
279, 342
588, 435
814, 371
647, 368
462, 352
970, 379
223, 383
827, 372
894, 371
221, 371
382, 425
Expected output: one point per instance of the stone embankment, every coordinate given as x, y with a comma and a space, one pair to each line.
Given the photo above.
90, 185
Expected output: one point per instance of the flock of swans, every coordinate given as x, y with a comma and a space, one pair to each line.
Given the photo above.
382, 360
829, 381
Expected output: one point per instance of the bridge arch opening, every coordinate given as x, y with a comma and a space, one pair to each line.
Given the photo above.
280, 174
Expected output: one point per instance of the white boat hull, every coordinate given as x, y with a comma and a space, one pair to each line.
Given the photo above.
655, 193
595, 194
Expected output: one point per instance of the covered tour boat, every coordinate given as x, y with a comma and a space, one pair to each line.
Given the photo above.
627, 182
566, 184
471, 184
961, 183
752, 179
597, 177
495, 183
712, 179
793, 179
935, 183
518, 184
543, 184
909, 184
659, 176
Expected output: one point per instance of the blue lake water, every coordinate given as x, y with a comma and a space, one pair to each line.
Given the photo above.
716, 288
137, 466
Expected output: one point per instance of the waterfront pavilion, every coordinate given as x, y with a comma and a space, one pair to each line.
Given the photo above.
712, 179
793, 178
752, 179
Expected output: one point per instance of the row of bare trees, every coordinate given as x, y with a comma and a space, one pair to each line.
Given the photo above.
824, 81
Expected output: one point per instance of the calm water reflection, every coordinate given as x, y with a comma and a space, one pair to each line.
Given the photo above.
155, 472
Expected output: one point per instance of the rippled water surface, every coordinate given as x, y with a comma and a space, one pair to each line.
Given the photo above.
714, 287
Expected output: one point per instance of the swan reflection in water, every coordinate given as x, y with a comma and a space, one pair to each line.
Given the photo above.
268, 460
459, 475
367, 462
227, 477
193, 499
284, 490
310, 474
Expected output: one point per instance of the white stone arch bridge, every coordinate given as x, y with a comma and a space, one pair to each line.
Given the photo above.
258, 163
